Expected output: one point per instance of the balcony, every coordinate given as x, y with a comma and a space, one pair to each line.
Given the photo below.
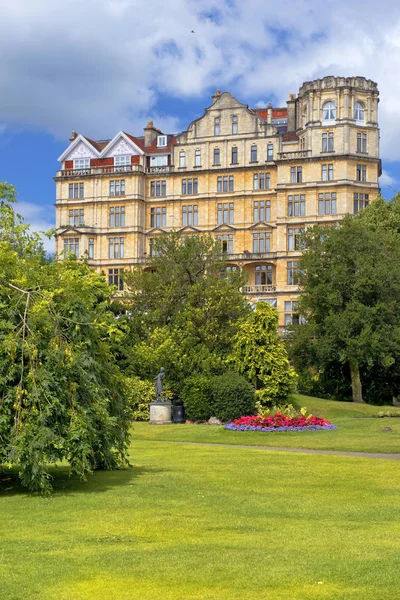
250, 256
259, 289
295, 155
110, 170
160, 169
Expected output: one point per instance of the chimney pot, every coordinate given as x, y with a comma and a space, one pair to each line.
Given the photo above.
73, 137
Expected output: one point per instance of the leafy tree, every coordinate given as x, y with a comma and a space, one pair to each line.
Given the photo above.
351, 295
183, 313
59, 383
259, 355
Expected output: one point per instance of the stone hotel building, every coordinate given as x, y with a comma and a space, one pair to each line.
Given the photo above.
253, 178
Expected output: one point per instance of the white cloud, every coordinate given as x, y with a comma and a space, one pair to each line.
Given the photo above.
40, 219
101, 65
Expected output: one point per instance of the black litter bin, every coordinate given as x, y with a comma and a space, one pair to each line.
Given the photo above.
178, 413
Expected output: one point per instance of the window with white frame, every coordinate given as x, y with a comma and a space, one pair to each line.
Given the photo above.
159, 161
158, 216
190, 214
161, 141
328, 112
327, 172
225, 213
82, 163
71, 245
360, 202
234, 124
182, 160
116, 247
76, 217
263, 275
297, 205
122, 160
116, 217
197, 158
262, 241
327, 204
114, 278
75, 190
117, 187
216, 126
361, 142
359, 112
226, 242
225, 184
261, 210
361, 173
328, 142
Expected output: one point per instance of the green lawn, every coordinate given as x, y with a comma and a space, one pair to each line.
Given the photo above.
210, 523
354, 433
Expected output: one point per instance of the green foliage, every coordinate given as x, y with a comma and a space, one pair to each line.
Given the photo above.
138, 394
287, 409
232, 396
351, 299
260, 356
197, 396
59, 383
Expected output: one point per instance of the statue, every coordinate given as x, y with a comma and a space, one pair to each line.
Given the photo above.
159, 385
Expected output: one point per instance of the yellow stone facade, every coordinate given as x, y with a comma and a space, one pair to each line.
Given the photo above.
252, 177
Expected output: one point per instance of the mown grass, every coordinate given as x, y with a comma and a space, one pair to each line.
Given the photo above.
207, 523
355, 433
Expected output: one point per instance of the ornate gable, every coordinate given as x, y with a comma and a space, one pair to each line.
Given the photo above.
120, 145
80, 148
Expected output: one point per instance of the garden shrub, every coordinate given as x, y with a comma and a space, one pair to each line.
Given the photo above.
232, 397
138, 394
196, 396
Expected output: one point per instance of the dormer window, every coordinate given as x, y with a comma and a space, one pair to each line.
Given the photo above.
161, 141
82, 163
122, 160
359, 113
329, 112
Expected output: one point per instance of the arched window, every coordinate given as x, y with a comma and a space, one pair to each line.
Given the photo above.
359, 112
329, 111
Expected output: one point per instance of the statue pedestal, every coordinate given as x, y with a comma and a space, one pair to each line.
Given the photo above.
160, 413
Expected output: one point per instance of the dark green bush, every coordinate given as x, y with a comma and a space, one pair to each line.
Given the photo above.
196, 396
232, 396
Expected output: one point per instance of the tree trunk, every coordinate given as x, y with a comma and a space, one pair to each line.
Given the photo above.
356, 382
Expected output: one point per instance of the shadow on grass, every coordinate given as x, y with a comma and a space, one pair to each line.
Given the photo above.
64, 483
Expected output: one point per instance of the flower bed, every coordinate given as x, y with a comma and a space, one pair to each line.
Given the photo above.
279, 422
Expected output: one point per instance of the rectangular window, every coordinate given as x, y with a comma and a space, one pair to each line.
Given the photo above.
76, 190
235, 156
330, 172
361, 142
117, 187
189, 215
327, 204
297, 205
292, 272
76, 217
117, 216
262, 241
82, 163
71, 245
225, 213
253, 154
122, 160
324, 172
270, 152
296, 174
216, 126
158, 188
116, 247
225, 184
361, 173
234, 124
217, 160
114, 278
161, 141
261, 210
227, 242
91, 248
360, 202
182, 159
189, 186
291, 313
158, 216
328, 142
294, 238
197, 158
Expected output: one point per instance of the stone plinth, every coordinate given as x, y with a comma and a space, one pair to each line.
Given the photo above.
160, 413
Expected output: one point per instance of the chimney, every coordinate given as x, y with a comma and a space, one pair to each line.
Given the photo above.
291, 112
216, 95
73, 137
269, 113
150, 134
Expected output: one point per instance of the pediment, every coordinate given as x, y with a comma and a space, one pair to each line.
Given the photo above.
224, 227
262, 225
69, 229
80, 148
189, 229
119, 145
156, 231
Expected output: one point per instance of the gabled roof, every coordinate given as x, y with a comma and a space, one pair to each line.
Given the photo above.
78, 140
129, 140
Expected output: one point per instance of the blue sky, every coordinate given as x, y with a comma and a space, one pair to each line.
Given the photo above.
103, 65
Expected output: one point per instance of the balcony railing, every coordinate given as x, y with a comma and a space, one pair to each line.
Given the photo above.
100, 171
161, 169
259, 289
251, 256
294, 155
